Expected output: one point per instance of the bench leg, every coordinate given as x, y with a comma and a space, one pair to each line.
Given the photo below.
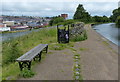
25, 65
20, 65
46, 49
34, 59
40, 55
29, 65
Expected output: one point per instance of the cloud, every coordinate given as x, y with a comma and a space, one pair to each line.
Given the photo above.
60, 1
100, 8
56, 8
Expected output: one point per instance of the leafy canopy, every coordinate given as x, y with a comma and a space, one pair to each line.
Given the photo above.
81, 14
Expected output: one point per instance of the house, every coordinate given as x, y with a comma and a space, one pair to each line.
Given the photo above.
9, 23
4, 28
19, 27
65, 16
1, 19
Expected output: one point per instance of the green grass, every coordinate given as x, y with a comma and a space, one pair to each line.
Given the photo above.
105, 43
77, 67
72, 49
17, 47
0, 73
77, 55
0, 61
27, 73
11, 70
57, 46
83, 49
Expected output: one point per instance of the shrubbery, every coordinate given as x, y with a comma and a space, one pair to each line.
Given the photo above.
61, 21
56, 20
118, 21
70, 21
81, 37
27, 73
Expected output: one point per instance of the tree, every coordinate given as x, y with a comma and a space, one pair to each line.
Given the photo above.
118, 21
116, 13
56, 20
105, 19
81, 14
101, 19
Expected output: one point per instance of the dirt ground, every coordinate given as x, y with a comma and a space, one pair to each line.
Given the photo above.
99, 61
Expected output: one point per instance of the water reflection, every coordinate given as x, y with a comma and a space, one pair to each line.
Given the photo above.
109, 31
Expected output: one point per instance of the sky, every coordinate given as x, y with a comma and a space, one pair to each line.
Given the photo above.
51, 8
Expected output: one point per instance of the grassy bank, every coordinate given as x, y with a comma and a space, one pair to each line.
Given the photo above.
15, 48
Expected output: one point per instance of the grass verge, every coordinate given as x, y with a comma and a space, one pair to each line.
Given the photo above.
17, 47
77, 68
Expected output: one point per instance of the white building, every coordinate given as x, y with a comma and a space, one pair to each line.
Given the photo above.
9, 23
4, 28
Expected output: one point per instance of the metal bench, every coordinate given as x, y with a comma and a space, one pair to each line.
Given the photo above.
26, 59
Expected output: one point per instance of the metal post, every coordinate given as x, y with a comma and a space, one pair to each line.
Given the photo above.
58, 34
46, 49
20, 65
68, 34
40, 55
29, 65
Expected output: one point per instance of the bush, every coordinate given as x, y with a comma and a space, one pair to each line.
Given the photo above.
81, 37
118, 21
70, 21
56, 20
27, 73
10, 54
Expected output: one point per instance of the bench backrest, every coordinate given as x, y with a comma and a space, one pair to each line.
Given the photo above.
32, 53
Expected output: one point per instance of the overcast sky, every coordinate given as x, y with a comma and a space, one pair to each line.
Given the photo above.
45, 8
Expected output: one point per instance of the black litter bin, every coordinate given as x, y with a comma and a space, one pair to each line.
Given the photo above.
63, 35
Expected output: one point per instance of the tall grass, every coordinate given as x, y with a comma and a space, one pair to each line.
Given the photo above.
14, 48
17, 47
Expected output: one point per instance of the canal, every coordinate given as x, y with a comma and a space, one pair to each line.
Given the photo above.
109, 31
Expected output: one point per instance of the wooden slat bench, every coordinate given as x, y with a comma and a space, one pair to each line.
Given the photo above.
26, 59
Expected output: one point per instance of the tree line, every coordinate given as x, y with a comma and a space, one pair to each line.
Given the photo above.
116, 16
82, 15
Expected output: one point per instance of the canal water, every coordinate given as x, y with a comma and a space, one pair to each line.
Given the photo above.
109, 31
10, 36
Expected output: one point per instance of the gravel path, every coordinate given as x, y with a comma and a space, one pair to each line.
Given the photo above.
98, 61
